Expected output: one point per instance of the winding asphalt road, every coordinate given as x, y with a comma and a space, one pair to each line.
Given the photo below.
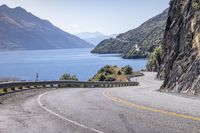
139, 109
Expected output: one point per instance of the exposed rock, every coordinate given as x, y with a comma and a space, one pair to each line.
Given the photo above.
181, 48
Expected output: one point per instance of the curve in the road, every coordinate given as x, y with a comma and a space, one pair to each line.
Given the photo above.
108, 95
64, 118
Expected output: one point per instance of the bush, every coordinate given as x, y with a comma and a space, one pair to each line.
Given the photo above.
110, 78
119, 73
128, 70
154, 60
196, 4
5, 90
67, 76
109, 73
102, 77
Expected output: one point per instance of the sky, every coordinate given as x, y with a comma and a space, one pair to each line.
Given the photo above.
105, 16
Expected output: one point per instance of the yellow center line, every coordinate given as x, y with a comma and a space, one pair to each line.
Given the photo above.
151, 109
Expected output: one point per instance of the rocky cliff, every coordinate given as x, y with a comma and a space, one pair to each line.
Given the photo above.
181, 48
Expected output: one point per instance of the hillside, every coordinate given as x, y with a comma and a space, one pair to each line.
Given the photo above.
181, 48
21, 30
136, 43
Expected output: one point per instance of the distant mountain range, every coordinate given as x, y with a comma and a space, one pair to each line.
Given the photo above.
94, 37
21, 30
136, 43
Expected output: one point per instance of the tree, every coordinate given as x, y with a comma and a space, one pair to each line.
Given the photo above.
154, 60
67, 76
128, 70
119, 73
102, 77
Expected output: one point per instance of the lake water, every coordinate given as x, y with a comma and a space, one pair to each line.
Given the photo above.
51, 64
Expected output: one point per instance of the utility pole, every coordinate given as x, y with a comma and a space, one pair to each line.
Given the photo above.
37, 76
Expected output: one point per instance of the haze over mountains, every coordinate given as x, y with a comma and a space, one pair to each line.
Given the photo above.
21, 30
94, 37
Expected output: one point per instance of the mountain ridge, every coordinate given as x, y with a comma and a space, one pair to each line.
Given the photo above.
21, 30
136, 43
94, 37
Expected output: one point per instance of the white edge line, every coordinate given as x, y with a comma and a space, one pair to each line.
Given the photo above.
66, 119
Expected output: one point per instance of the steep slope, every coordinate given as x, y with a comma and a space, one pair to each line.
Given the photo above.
181, 48
138, 42
22, 30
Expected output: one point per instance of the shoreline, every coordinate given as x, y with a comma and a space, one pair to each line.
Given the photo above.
9, 79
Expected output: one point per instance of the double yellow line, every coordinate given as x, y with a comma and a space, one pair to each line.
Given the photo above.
142, 107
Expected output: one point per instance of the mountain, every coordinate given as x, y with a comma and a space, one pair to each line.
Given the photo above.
94, 37
87, 35
20, 29
136, 43
180, 63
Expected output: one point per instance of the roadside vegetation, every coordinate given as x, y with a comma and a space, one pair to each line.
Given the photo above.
154, 60
113, 73
67, 76
196, 4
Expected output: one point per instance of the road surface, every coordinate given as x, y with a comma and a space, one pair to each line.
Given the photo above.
140, 109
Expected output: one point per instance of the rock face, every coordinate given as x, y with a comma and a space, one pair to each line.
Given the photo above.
22, 30
181, 48
136, 43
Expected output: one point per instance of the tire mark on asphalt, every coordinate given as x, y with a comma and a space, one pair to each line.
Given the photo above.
126, 123
64, 118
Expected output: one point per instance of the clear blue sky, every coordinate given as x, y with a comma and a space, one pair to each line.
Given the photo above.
106, 16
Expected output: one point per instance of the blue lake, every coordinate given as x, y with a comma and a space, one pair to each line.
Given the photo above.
51, 64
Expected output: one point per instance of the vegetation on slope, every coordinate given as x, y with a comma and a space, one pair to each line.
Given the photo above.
154, 60
67, 76
135, 53
139, 42
112, 73
109, 46
196, 4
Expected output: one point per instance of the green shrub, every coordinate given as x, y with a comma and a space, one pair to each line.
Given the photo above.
119, 73
13, 88
154, 60
5, 90
20, 87
109, 73
128, 70
67, 76
102, 77
110, 78
196, 4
